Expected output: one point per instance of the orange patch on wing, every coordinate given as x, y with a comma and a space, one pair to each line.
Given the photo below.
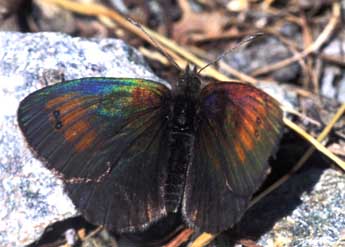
76, 130
70, 105
250, 119
256, 109
143, 97
74, 116
58, 100
245, 138
242, 137
247, 124
240, 152
86, 141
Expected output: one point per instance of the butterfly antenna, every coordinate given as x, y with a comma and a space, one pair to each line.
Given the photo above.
155, 43
243, 42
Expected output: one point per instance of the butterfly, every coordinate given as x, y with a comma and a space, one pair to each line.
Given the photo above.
132, 151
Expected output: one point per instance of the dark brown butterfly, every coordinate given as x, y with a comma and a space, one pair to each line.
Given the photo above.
131, 150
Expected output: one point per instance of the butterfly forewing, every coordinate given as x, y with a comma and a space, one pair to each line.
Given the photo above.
239, 127
105, 138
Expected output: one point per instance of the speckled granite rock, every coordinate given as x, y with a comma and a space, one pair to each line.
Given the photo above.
306, 211
30, 197
319, 220
333, 81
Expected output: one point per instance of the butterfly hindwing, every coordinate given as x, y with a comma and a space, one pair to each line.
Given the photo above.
239, 127
104, 137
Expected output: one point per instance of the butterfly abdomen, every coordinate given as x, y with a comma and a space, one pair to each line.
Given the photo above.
181, 141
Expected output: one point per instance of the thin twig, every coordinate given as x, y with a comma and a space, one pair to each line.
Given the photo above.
94, 232
302, 116
284, 14
316, 143
203, 240
181, 238
338, 60
304, 158
307, 41
314, 47
172, 47
292, 46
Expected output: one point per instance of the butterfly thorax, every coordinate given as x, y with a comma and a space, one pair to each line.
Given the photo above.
181, 138
189, 84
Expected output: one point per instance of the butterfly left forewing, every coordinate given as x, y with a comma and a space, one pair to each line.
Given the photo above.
239, 127
103, 136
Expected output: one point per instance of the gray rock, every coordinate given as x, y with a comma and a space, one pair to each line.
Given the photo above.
31, 198
308, 210
333, 81
282, 93
341, 93
263, 52
327, 81
319, 220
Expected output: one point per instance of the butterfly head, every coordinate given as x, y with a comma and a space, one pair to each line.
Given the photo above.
189, 82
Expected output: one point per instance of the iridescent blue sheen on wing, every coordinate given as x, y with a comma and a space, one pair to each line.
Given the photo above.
131, 95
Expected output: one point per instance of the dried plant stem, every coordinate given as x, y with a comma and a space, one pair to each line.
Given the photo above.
172, 47
181, 238
203, 240
314, 47
315, 143
307, 154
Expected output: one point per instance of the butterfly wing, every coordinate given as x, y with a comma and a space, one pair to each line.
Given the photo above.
105, 138
239, 128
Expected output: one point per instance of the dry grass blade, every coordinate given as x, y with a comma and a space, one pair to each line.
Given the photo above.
338, 60
315, 143
94, 232
314, 47
302, 116
292, 46
304, 158
172, 47
181, 238
202, 240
